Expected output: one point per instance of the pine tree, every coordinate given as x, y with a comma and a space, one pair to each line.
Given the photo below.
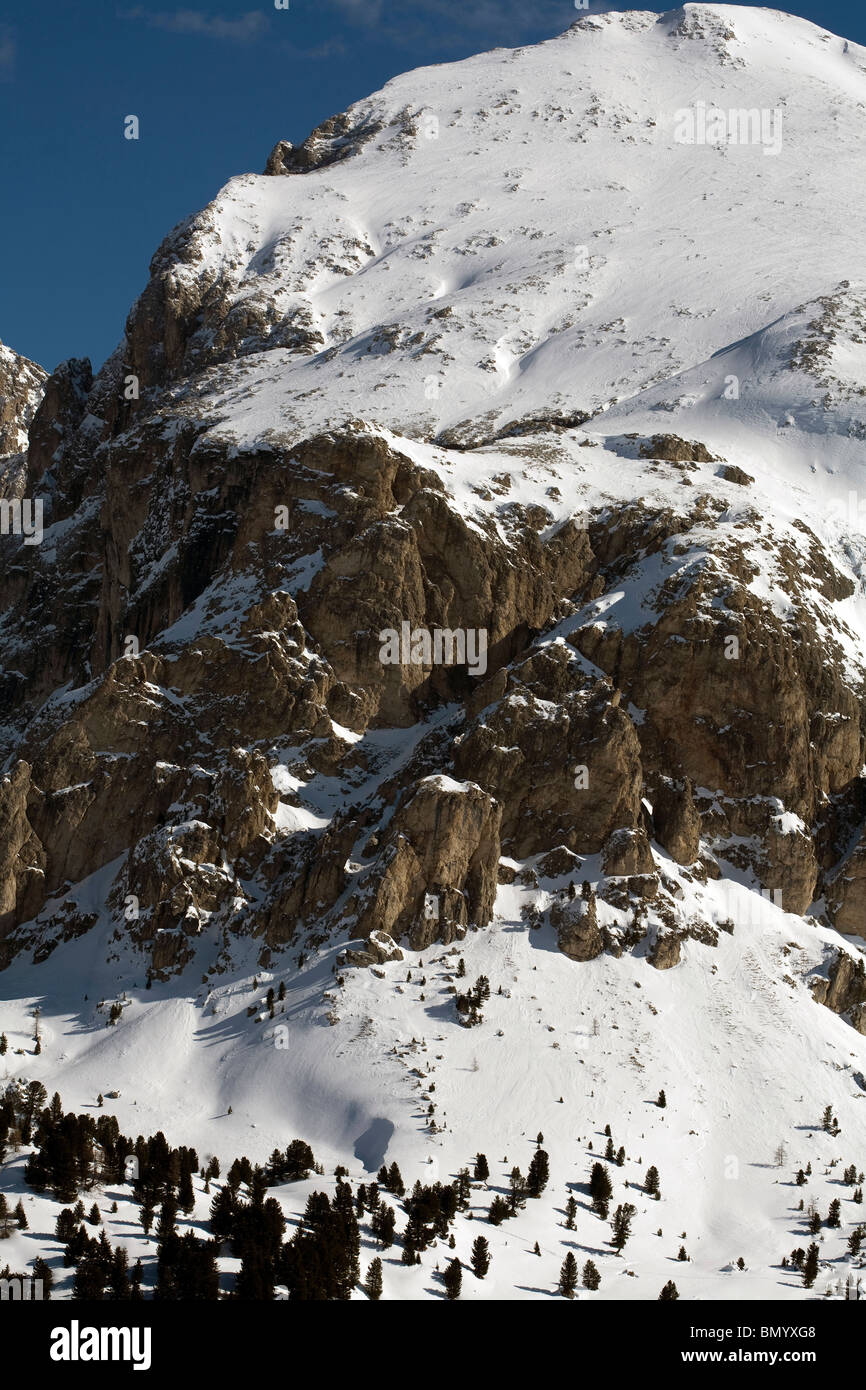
453, 1279
383, 1225
539, 1173
374, 1280
651, 1182
93, 1216
600, 1189
44, 1272
681, 1253
834, 1215
810, 1266
4, 1044
185, 1194
669, 1292
621, 1225
591, 1276
167, 1218
518, 1190
21, 1217
827, 1119
570, 1213
609, 1150
499, 1210
480, 1257
568, 1276
662, 1100
855, 1240
801, 1177
620, 1157
481, 1171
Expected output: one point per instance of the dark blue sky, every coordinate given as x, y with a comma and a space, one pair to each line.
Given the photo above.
215, 83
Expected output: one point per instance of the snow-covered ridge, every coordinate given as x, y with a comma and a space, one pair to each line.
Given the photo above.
524, 234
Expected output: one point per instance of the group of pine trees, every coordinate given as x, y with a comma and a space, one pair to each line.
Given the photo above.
568, 1276
469, 1005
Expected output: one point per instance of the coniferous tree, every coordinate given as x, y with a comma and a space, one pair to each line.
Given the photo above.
517, 1183
481, 1172
118, 1282
185, 1194
810, 1266
64, 1225
5, 1220
600, 1189
480, 1257
499, 1210
90, 1278
669, 1292
222, 1213
410, 1255
834, 1217
651, 1182
681, 1253
539, 1173
43, 1271
93, 1216
383, 1225
662, 1100
568, 1276
620, 1157
21, 1216
4, 1044
374, 1280
609, 1150
591, 1276
453, 1279
165, 1226
570, 1213
621, 1225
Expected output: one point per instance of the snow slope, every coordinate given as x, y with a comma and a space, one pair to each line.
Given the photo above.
521, 238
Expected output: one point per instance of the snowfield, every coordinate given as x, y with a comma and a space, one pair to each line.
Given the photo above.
518, 271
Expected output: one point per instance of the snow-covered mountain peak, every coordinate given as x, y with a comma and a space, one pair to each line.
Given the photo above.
479, 242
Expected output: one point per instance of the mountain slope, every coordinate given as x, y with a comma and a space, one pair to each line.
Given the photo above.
484, 356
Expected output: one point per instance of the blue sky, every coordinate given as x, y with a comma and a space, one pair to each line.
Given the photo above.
215, 83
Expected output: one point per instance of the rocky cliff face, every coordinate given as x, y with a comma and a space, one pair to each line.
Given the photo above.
21, 387
203, 737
